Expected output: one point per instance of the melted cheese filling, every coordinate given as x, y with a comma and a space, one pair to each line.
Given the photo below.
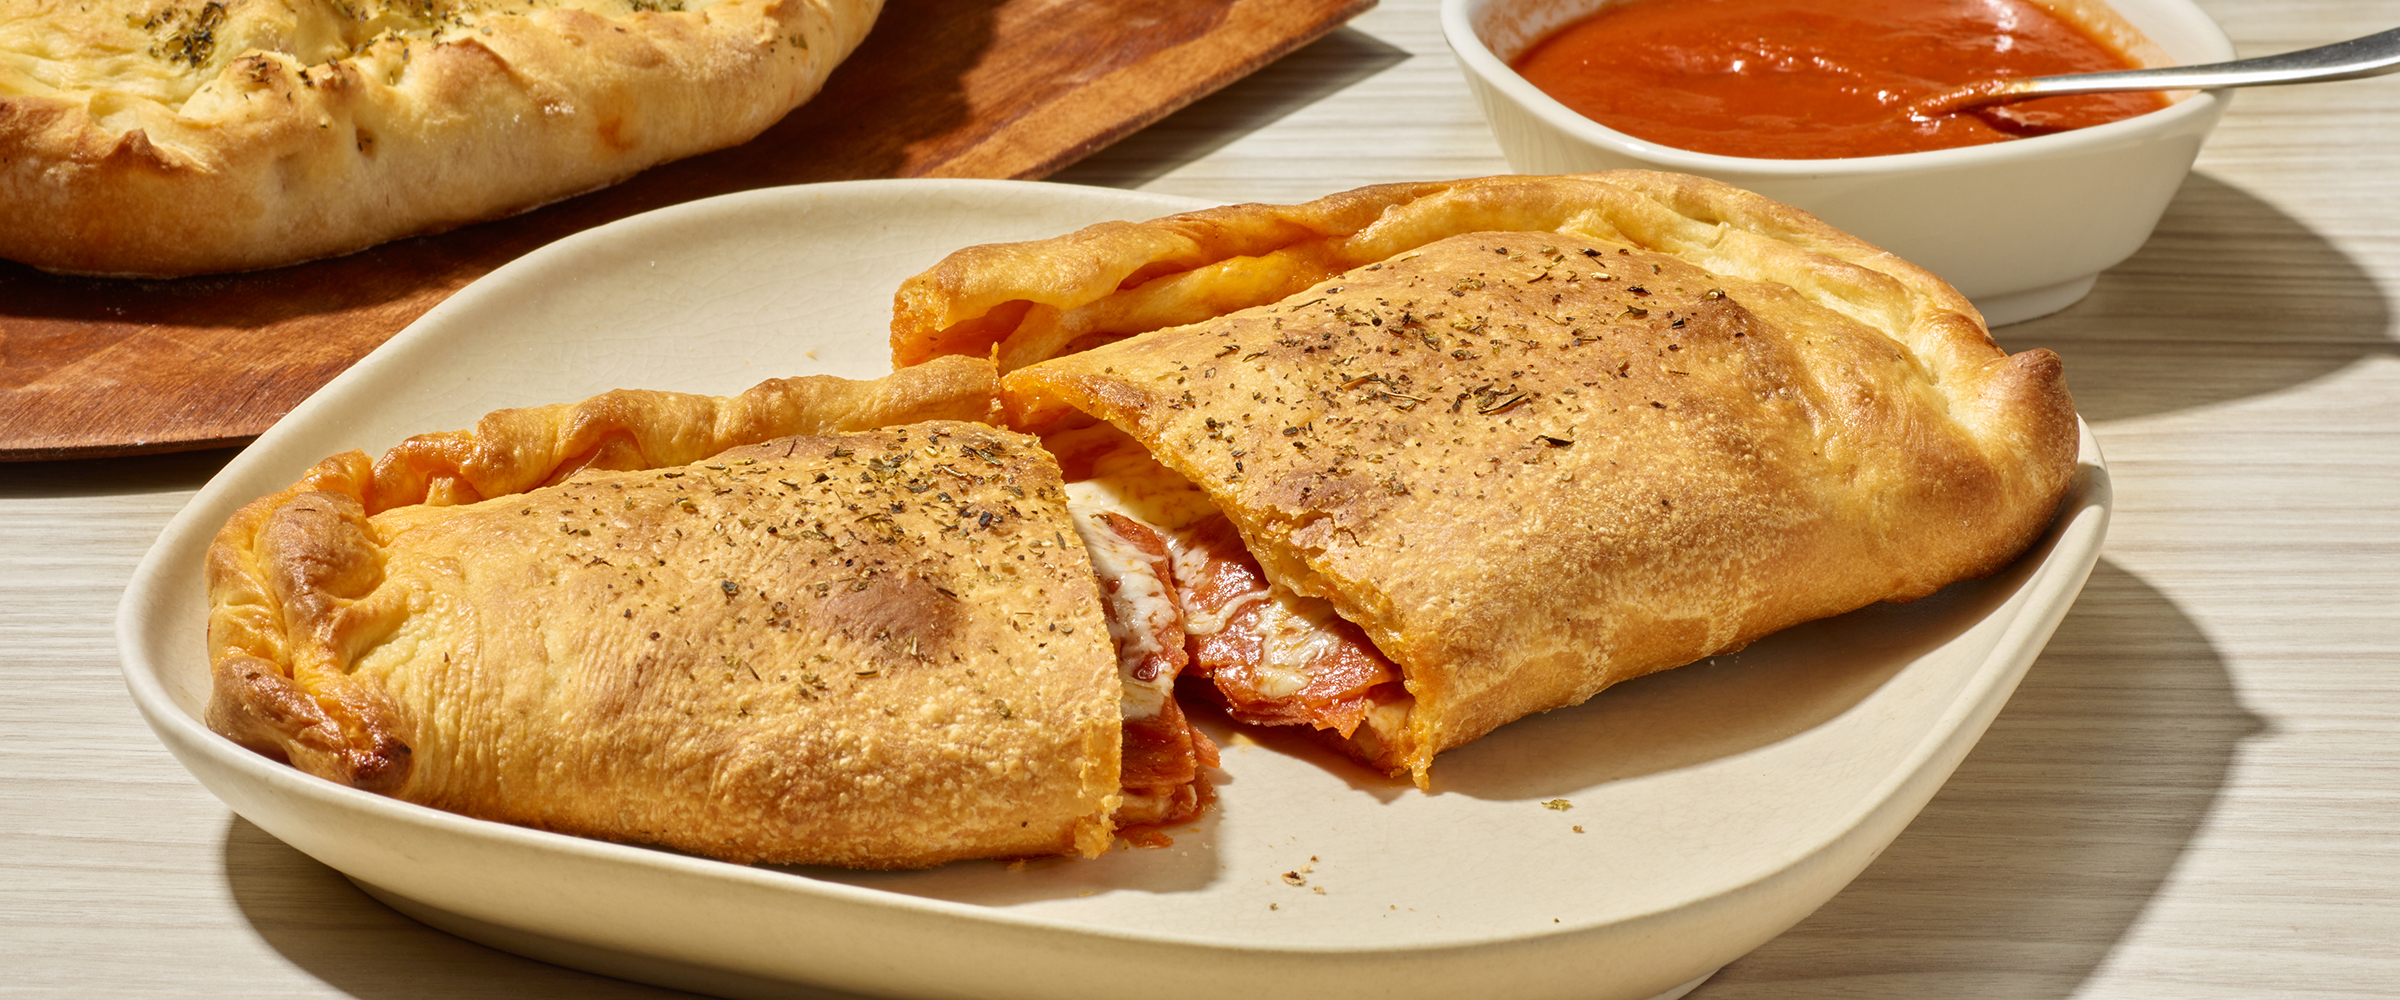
1296, 634
1146, 610
1124, 478
1211, 622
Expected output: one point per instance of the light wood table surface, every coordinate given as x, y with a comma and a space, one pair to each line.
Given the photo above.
2195, 794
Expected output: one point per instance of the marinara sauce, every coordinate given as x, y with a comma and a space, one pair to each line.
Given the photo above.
1816, 79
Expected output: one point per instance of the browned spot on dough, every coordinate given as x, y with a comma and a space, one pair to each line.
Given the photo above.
613, 134
897, 619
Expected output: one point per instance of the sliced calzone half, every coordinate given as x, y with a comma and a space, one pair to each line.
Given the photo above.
822, 622
170, 137
1437, 456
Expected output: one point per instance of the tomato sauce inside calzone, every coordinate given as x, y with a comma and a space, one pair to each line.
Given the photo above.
1173, 566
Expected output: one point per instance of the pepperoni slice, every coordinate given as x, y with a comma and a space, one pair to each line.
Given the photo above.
1163, 757
1277, 658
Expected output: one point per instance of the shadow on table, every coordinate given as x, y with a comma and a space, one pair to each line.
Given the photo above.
2051, 838
320, 922
2231, 298
103, 477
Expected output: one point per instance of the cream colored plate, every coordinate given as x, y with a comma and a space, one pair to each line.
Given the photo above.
1625, 848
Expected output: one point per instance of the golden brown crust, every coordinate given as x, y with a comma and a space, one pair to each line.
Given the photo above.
863, 648
1027, 301
1024, 302
510, 451
169, 137
1660, 419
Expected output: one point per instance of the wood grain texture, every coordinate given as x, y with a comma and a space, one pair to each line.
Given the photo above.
2195, 794
942, 88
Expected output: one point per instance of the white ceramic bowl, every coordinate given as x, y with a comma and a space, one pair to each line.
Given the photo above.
2022, 227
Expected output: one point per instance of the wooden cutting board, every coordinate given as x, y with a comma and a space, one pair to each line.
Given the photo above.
942, 88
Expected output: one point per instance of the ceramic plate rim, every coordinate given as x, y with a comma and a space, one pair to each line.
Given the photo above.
2073, 552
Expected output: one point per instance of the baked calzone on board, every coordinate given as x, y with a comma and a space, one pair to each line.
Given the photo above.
860, 635
1531, 436
167, 137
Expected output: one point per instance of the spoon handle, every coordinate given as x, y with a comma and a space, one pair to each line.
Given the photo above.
2372, 55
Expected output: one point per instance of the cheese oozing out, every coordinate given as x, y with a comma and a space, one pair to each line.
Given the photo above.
1144, 620
1274, 657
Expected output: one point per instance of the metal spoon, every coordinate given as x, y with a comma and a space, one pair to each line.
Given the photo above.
2372, 55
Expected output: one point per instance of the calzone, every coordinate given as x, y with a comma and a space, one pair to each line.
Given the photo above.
822, 622
1484, 448
168, 137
